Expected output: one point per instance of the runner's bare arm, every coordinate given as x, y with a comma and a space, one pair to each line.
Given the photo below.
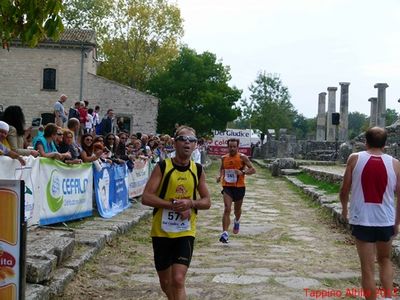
204, 202
396, 166
184, 206
149, 196
346, 184
249, 170
221, 171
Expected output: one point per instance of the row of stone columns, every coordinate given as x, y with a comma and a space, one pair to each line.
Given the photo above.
326, 131
378, 106
324, 118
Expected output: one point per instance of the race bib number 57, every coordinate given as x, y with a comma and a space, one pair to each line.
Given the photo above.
172, 222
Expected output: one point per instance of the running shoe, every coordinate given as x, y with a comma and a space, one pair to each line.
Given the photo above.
224, 238
236, 225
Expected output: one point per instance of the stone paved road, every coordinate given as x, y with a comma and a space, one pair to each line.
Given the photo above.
286, 245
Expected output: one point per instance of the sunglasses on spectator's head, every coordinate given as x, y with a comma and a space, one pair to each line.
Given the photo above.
186, 138
59, 133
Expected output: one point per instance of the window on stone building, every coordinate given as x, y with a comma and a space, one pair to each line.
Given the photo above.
123, 124
49, 79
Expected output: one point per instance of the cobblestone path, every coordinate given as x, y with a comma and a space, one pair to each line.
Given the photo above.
287, 248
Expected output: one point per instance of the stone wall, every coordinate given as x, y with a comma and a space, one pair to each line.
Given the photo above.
21, 84
22, 72
126, 102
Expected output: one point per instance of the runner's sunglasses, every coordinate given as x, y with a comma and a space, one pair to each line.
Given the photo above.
186, 138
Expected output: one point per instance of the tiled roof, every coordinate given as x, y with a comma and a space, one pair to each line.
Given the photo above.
78, 35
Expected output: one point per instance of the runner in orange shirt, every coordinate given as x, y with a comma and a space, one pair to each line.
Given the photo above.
234, 167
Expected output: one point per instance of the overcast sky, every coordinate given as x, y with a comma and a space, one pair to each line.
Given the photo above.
310, 44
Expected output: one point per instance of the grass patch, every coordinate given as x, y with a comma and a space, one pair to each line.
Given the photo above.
329, 188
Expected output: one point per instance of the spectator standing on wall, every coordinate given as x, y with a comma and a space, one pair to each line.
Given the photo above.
107, 123
74, 110
89, 123
96, 119
83, 117
60, 115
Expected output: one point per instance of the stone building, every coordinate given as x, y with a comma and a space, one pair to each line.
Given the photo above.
34, 78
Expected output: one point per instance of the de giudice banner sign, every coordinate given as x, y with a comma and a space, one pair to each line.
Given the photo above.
12, 240
218, 144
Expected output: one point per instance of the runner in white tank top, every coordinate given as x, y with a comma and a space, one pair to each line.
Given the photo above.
373, 179
372, 190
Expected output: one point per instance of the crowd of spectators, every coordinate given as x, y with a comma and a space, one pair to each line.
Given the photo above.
81, 136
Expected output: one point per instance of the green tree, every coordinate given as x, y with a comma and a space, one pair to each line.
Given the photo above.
136, 38
391, 116
357, 123
269, 106
303, 127
194, 90
30, 21
89, 14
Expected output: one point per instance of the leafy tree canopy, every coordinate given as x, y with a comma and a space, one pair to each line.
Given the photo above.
391, 116
30, 21
357, 123
269, 106
89, 14
194, 90
137, 38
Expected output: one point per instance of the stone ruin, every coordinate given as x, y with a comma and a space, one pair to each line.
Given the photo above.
331, 142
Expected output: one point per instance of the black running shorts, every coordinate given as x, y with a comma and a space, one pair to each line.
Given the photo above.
169, 251
372, 234
236, 193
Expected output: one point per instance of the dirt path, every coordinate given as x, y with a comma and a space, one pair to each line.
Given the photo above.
287, 248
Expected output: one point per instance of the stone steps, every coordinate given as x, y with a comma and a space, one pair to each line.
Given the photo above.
56, 254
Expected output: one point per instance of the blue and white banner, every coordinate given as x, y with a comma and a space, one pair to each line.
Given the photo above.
111, 189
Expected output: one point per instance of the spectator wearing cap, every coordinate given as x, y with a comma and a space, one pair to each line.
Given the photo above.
4, 150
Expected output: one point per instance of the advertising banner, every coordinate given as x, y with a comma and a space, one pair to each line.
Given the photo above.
218, 144
12, 240
111, 189
12, 169
137, 178
66, 191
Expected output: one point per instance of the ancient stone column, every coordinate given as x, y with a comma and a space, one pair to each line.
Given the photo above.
331, 129
344, 111
321, 117
374, 111
381, 119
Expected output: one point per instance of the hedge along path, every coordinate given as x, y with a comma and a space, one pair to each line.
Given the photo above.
287, 248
